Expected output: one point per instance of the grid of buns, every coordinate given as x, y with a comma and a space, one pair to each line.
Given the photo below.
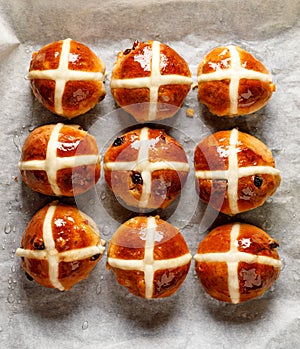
234, 172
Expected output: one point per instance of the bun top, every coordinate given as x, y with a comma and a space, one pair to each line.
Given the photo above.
237, 262
232, 82
67, 77
150, 81
152, 246
62, 244
235, 171
146, 168
60, 160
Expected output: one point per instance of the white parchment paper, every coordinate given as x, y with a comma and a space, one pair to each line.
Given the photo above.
98, 313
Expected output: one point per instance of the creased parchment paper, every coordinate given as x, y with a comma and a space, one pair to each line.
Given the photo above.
98, 313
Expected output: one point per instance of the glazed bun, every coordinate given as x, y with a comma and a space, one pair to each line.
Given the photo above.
60, 160
149, 257
237, 262
60, 246
145, 168
150, 81
67, 78
232, 82
235, 172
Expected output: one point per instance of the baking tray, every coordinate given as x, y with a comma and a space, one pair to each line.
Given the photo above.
98, 313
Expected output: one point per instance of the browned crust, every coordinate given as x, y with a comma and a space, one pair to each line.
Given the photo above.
128, 243
79, 96
70, 231
170, 97
253, 94
72, 141
166, 184
214, 275
212, 154
127, 67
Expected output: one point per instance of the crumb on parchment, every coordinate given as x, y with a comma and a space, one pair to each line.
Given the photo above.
190, 113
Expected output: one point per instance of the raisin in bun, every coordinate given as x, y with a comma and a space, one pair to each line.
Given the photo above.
67, 77
235, 172
237, 262
150, 81
232, 82
149, 257
60, 160
60, 246
146, 168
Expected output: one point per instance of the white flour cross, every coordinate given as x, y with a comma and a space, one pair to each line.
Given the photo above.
232, 258
50, 253
53, 163
234, 74
154, 81
234, 172
63, 74
145, 167
148, 264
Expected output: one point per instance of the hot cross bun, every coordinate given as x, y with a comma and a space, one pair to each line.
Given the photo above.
232, 82
149, 256
60, 160
235, 172
60, 246
237, 262
150, 81
67, 77
146, 168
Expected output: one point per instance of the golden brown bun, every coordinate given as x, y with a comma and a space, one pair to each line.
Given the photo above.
213, 154
253, 92
68, 229
70, 179
136, 63
166, 243
130, 185
254, 253
79, 94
